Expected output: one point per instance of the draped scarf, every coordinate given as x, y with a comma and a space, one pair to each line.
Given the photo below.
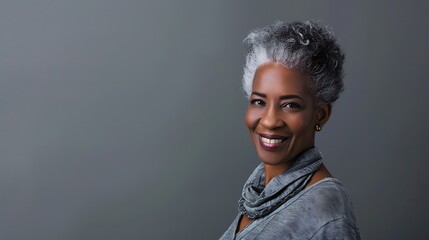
258, 200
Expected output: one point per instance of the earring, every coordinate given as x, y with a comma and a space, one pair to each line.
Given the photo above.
318, 127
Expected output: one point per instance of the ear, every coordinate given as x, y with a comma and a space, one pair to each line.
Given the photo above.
323, 113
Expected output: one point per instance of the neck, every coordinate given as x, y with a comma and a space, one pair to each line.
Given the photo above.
272, 171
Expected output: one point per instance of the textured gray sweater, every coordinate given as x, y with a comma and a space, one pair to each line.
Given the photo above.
285, 209
322, 211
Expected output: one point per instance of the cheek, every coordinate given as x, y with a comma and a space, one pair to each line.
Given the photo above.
251, 118
299, 123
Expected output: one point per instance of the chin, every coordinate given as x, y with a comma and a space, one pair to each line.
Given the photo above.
272, 162
271, 158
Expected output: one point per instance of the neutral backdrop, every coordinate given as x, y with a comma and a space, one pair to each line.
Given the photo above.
125, 119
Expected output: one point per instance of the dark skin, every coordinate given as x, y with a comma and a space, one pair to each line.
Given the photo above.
281, 105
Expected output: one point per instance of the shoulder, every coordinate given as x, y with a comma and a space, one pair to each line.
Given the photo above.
327, 198
319, 209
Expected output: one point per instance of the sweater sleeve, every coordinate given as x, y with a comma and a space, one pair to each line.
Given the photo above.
339, 228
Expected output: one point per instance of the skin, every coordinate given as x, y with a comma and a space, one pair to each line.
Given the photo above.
282, 104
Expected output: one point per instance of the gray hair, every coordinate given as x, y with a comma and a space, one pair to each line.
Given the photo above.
305, 46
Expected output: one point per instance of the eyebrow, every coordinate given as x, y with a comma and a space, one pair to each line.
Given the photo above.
281, 97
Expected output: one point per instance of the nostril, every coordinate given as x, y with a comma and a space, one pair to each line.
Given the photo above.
272, 122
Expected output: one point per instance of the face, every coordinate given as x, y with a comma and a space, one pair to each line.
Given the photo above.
281, 114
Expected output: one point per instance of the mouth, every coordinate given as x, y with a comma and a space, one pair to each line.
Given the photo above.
271, 142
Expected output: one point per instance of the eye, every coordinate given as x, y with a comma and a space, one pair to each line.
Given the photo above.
257, 102
292, 105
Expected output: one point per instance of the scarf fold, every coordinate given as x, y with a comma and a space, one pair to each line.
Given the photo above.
258, 200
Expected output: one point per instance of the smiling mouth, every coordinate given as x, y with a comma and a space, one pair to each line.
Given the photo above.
271, 142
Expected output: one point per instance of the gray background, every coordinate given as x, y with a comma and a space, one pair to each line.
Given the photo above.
125, 119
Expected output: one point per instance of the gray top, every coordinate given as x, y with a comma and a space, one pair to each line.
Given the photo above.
322, 211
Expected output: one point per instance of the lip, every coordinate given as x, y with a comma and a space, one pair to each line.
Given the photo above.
271, 146
271, 136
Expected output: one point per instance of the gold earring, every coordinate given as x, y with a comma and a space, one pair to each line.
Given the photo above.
318, 127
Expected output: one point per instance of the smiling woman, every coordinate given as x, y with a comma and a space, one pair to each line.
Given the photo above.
293, 75
281, 115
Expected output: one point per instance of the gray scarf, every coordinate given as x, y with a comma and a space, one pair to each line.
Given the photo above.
258, 201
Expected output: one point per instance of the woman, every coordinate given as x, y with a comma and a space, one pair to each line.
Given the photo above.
293, 75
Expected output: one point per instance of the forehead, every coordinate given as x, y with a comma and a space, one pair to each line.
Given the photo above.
276, 79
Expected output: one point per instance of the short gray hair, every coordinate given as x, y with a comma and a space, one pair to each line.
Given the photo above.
305, 46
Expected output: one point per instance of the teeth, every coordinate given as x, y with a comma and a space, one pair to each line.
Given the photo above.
271, 141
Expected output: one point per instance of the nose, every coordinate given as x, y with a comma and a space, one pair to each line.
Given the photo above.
271, 119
